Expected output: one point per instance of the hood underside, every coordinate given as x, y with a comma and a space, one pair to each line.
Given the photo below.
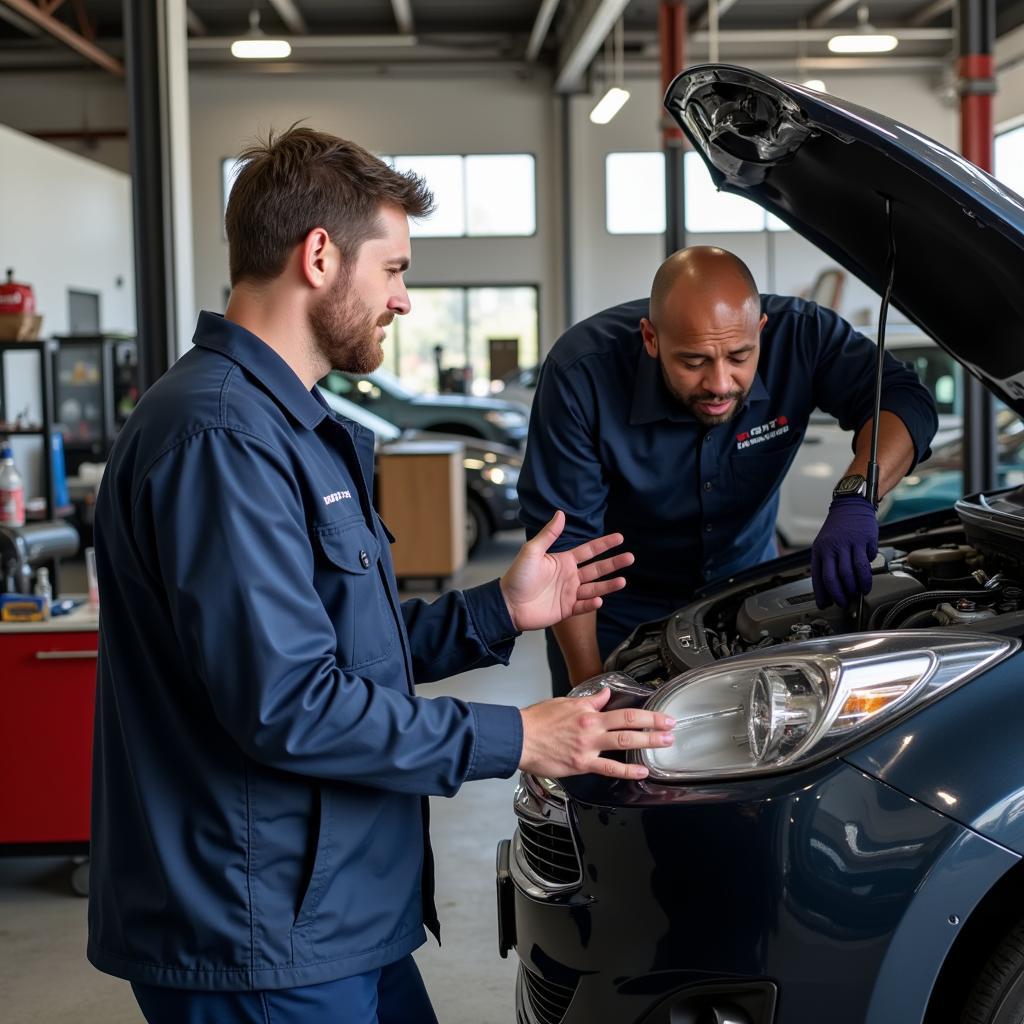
826, 167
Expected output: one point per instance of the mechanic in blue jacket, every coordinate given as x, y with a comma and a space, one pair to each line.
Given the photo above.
673, 421
259, 837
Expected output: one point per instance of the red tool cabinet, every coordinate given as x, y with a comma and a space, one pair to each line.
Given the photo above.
47, 685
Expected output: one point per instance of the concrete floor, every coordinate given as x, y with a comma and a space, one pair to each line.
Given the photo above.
45, 978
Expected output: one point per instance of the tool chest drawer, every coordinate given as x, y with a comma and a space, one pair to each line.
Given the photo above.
47, 685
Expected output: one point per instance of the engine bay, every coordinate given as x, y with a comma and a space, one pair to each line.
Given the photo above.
965, 575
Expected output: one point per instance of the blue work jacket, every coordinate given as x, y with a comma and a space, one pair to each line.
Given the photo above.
260, 759
610, 446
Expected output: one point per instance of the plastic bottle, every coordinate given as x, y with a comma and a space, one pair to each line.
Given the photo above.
44, 589
12, 490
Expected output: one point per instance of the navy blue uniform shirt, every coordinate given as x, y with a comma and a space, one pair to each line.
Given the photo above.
611, 447
260, 758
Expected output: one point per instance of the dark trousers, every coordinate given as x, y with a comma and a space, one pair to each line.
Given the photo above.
390, 995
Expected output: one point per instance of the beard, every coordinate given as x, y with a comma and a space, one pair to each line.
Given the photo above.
692, 401
345, 333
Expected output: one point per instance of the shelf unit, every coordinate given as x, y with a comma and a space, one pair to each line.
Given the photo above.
44, 351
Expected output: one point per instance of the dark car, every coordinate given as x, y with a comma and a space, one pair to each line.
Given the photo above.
492, 471
491, 419
836, 834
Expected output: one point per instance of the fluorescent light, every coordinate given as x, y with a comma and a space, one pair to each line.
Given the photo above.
816, 84
609, 105
260, 49
863, 42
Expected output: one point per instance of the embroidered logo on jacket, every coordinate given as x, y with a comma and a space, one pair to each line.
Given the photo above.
764, 432
330, 499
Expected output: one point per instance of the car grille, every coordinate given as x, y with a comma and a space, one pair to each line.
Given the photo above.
545, 1001
544, 845
549, 852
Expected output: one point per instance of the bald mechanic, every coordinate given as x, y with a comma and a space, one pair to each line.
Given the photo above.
673, 421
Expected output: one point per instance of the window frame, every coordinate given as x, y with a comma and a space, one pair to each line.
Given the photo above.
466, 288
391, 157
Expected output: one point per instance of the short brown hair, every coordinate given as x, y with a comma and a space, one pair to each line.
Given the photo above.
304, 179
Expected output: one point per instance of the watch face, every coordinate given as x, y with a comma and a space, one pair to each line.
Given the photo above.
853, 484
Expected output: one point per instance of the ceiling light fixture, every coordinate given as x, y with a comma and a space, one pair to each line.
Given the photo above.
816, 84
865, 39
615, 96
256, 45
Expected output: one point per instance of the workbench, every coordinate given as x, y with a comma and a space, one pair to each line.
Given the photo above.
47, 688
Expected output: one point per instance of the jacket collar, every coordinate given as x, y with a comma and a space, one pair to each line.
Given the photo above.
652, 401
258, 359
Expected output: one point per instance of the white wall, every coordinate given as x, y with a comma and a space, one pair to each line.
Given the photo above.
390, 115
65, 222
611, 268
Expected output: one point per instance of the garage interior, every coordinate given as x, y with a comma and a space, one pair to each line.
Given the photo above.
120, 124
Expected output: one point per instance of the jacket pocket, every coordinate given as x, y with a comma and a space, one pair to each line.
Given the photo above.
320, 873
348, 579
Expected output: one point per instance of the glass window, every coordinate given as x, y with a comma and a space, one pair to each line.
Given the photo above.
938, 372
496, 314
443, 175
500, 194
708, 210
444, 342
635, 193
480, 195
1009, 159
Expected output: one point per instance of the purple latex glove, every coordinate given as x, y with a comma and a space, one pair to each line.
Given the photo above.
842, 552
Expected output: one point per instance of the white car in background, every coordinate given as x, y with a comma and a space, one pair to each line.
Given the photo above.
826, 450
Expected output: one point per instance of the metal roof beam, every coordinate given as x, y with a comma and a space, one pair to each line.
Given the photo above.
929, 12
589, 29
824, 14
704, 19
292, 17
403, 16
540, 28
68, 36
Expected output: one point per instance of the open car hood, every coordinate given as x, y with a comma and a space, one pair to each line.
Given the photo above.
825, 166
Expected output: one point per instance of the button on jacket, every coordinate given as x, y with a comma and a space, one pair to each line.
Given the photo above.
260, 759
610, 446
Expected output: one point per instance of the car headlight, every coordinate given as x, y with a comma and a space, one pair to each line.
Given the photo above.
760, 713
506, 419
503, 474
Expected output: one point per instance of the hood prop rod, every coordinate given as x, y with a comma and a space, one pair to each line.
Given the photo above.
872, 477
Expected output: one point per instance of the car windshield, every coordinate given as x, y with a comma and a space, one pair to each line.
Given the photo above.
388, 382
381, 428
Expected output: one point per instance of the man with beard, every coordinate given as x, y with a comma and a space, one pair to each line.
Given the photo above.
673, 421
262, 761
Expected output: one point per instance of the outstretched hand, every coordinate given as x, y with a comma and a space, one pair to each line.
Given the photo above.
541, 587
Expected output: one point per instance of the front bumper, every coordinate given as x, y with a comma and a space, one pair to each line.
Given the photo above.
774, 899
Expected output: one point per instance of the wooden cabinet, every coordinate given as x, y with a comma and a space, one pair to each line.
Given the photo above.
422, 498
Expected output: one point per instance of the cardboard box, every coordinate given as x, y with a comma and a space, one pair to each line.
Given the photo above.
20, 326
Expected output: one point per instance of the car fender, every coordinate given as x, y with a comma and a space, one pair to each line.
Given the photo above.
955, 885
961, 755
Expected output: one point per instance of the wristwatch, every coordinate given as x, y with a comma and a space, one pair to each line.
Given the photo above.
852, 484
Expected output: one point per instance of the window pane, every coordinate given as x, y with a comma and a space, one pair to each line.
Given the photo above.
437, 318
1009, 159
635, 193
443, 175
500, 313
707, 209
500, 194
